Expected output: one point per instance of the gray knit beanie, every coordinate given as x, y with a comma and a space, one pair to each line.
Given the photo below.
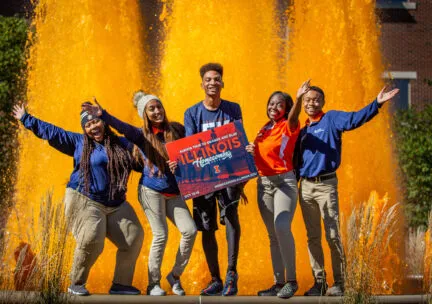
141, 99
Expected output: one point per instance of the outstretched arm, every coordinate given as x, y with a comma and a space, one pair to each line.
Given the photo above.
293, 116
345, 121
58, 138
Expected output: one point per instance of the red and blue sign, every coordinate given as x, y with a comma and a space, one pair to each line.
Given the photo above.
212, 160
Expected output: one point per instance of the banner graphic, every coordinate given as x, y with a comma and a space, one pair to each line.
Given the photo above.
212, 160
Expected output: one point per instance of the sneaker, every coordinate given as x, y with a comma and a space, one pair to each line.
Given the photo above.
337, 290
155, 290
214, 288
318, 289
78, 290
271, 292
118, 289
175, 285
230, 287
289, 289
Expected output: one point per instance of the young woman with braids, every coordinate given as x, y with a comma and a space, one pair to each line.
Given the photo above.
158, 192
95, 199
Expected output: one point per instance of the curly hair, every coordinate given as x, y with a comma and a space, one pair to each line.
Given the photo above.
211, 67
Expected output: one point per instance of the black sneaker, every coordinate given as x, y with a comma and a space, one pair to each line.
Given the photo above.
78, 290
271, 292
318, 289
118, 289
289, 289
214, 288
337, 290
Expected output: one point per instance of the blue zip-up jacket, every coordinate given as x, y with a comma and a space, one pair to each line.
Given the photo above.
320, 142
163, 183
71, 144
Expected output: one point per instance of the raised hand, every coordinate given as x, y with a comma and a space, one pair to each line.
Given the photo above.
95, 110
18, 111
304, 88
384, 96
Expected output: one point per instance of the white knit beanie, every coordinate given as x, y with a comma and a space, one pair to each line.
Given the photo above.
141, 99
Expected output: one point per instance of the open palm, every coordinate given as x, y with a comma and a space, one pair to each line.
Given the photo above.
304, 88
384, 96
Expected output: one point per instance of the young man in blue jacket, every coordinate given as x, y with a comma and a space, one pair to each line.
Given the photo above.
319, 155
205, 115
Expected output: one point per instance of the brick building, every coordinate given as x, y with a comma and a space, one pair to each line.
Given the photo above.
406, 36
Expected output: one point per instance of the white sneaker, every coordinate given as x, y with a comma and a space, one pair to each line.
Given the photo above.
155, 290
78, 290
175, 284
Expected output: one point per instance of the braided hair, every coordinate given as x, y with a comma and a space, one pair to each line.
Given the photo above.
120, 162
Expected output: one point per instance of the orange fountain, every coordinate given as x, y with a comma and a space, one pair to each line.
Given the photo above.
85, 48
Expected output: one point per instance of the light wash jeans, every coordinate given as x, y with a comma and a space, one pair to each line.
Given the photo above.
158, 208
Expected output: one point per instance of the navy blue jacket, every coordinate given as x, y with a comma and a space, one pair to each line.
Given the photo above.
71, 144
319, 143
163, 183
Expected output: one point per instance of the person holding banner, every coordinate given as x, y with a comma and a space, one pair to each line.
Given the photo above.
158, 192
205, 115
273, 151
95, 199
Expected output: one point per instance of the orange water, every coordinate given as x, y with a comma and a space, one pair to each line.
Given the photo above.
85, 48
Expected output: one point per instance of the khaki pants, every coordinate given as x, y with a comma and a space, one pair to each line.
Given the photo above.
277, 202
91, 222
320, 200
158, 208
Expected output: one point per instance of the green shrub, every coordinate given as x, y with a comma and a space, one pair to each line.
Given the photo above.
13, 37
414, 147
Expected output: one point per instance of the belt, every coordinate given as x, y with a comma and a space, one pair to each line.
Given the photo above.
320, 178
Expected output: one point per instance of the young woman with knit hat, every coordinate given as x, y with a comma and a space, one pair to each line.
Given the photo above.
158, 192
95, 199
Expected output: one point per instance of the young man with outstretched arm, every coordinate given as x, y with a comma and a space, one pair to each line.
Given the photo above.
318, 157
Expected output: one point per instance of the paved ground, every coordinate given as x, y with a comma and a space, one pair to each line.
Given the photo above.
21, 297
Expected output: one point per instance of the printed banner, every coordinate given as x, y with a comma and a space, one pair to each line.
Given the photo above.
212, 160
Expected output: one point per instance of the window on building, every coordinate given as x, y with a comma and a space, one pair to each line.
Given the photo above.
396, 4
401, 80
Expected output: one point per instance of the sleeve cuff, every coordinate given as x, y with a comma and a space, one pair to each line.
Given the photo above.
24, 117
377, 104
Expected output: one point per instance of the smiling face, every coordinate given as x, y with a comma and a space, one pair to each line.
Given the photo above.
212, 83
313, 103
155, 112
276, 108
95, 129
